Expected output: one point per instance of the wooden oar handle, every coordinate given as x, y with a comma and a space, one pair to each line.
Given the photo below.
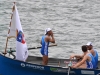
32, 48
41, 46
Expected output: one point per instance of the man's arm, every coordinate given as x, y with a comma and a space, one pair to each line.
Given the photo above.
77, 56
81, 62
92, 52
52, 40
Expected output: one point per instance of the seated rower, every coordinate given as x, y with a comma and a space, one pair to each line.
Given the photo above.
88, 59
93, 52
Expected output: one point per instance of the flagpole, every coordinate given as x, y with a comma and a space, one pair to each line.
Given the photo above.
5, 52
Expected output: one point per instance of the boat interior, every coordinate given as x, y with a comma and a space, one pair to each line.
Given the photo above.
56, 62
53, 61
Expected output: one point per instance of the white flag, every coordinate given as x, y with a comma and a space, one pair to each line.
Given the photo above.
21, 46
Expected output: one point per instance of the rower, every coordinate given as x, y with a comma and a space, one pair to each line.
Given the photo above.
88, 59
48, 37
93, 52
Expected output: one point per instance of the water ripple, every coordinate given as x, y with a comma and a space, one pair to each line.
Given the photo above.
74, 23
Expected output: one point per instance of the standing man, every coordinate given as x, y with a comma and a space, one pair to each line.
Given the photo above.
48, 37
93, 52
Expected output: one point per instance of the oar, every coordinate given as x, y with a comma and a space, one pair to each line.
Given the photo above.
32, 48
41, 46
11, 51
70, 64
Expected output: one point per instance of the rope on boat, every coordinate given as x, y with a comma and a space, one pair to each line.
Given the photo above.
11, 53
5, 52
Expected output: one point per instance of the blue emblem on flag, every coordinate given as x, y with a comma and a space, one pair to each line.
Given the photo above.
20, 37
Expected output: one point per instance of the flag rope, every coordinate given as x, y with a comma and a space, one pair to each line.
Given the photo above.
5, 52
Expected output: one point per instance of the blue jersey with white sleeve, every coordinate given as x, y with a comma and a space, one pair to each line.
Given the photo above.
44, 49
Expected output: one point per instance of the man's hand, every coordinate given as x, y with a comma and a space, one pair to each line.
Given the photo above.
72, 56
73, 67
51, 34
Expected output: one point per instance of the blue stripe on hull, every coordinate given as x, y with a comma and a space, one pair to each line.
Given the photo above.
14, 67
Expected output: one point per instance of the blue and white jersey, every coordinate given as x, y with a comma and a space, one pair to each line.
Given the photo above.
44, 49
91, 64
96, 58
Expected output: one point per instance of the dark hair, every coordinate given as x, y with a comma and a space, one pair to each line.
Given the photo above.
84, 48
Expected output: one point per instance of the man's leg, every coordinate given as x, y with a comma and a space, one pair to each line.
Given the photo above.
45, 59
83, 65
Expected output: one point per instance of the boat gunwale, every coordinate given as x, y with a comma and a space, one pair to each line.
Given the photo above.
48, 65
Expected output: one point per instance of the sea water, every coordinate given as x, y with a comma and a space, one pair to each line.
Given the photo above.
73, 22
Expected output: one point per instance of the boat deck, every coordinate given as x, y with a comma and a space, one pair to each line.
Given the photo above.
52, 61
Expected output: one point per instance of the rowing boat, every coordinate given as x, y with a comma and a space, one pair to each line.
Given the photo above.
33, 64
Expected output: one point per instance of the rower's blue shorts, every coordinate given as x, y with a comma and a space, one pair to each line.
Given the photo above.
44, 52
